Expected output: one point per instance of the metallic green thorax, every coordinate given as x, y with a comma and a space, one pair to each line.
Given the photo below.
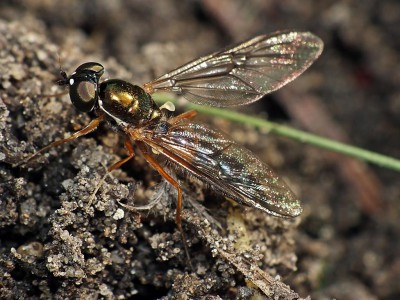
127, 102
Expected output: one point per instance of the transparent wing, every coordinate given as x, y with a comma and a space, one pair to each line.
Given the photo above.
229, 168
244, 73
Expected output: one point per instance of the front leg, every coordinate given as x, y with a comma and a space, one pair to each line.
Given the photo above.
89, 128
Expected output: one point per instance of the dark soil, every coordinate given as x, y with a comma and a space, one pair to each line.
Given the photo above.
58, 241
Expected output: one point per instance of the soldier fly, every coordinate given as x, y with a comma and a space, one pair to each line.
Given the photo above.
238, 75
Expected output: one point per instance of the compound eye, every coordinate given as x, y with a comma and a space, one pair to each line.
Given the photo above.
83, 93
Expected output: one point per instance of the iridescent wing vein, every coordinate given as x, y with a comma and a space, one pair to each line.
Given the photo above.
229, 168
244, 73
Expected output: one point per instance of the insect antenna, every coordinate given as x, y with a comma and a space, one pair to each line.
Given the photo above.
61, 80
64, 77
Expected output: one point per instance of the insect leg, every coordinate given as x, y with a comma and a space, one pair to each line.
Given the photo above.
89, 128
129, 147
54, 95
186, 115
156, 165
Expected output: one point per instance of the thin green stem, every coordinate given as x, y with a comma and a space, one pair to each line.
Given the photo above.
295, 134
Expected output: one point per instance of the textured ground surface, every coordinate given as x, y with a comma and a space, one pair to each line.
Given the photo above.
57, 243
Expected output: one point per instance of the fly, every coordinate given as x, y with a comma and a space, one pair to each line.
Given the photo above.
235, 76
